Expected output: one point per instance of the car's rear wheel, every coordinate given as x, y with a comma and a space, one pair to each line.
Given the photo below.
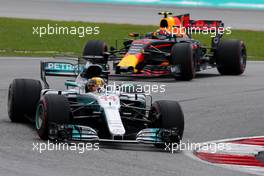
23, 97
182, 55
52, 108
231, 57
168, 115
96, 48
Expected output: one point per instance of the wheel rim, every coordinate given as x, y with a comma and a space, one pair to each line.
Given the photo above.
40, 116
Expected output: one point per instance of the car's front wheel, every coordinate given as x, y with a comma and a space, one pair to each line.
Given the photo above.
168, 115
23, 97
182, 55
52, 108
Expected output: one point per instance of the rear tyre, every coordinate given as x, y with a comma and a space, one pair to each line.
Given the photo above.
231, 57
96, 48
168, 114
23, 97
52, 108
182, 54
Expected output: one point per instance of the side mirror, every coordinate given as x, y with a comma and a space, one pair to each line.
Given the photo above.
133, 34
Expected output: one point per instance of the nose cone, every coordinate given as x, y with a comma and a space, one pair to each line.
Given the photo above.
130, 60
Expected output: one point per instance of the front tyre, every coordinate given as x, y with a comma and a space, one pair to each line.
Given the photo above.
23, 97
168, 115
52, 108
231, 57
182, 54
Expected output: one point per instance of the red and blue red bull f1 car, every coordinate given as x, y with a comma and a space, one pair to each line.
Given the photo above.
171, 51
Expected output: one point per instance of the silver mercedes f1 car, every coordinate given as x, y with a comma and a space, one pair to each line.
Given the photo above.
120, 113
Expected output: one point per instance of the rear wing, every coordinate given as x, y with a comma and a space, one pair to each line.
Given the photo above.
200, 24
67, 69
62, 69
203, 25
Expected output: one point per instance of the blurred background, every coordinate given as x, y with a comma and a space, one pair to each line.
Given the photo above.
116, 18
241, 4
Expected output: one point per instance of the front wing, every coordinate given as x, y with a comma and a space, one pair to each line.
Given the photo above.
151, 72
69, 132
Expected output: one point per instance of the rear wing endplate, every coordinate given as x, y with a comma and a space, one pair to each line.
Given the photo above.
63, 69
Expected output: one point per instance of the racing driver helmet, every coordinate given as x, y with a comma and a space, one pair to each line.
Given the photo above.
162, 33
94, 84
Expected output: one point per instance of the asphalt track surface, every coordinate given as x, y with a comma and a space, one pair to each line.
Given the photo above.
215, 107
128, 14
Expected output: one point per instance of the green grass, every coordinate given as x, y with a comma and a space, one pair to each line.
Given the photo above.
17, 38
